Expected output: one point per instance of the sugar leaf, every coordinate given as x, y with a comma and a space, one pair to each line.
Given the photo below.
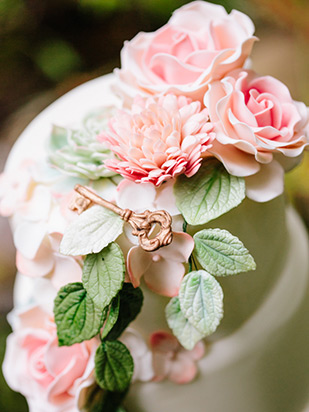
201, 301
113, 366
91, 232
103, 274
112, 316
131, 301
76, 316
184, 331
209, 193
221, 254
97, 399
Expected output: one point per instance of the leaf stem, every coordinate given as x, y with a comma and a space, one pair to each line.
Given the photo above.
190, 263
194, 261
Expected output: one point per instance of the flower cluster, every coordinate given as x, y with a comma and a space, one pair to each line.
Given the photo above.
189, 105
203, 103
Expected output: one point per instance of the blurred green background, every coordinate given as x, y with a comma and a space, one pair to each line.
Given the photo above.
47, 47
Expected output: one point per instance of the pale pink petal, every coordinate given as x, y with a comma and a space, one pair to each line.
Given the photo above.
40, 266
164, 276
267, 184
138, 262
39, 205
235, 161
183, 370
165, 198
164, 342
142, 356
134, 196
66, 270
198, 351
180, 249
28, 237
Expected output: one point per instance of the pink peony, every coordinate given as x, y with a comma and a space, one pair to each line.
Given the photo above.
199, 44
159, 139
171, 360
257, 116
163, 270
50, 377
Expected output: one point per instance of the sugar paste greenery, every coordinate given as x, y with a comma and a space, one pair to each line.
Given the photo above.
103, 305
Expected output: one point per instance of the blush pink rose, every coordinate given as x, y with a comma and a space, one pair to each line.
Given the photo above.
200, 43
49, 376
159, 139
257, 116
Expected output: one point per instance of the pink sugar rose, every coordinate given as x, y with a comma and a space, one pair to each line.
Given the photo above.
200, 43
163, 270
161, 138
50, 377
171, 361
257, 116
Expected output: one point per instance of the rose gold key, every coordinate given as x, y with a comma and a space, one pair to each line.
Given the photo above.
141, 223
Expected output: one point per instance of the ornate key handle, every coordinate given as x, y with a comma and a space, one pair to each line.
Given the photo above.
141, 223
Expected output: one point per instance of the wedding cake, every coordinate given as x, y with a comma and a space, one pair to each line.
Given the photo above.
159, 266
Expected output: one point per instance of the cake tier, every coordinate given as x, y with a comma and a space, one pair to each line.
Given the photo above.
255, 357
257, 361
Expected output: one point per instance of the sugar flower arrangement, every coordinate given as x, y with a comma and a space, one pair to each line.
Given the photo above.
197, 133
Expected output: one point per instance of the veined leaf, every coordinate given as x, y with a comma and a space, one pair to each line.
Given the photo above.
184, 331
221, 254
131, 301
103, 275
112, 316
91, 232
201, 301
98, 400
209, 193
76, 316
113, 366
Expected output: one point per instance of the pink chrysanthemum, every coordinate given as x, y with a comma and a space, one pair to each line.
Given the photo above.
159, 139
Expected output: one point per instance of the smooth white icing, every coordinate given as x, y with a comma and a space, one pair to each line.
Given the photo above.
257, 355
261, 366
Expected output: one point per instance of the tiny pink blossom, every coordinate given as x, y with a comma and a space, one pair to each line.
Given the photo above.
171, 361
141, 354
163, 269
160, 138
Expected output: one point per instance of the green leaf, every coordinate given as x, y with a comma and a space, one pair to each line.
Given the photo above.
112, 316
91, 232
221, 253
113, 366
98, 400
76, 316
184, 331
103, 275
201, 301
131, 301
209, 193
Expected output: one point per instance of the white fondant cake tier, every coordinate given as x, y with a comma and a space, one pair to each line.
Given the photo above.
256, 360
261, 362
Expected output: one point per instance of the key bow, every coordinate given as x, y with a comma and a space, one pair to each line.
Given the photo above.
142, 223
